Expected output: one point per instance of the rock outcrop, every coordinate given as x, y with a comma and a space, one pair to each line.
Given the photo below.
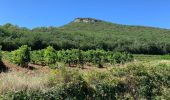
86, 20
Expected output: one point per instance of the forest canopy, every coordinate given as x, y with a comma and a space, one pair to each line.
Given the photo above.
87, 36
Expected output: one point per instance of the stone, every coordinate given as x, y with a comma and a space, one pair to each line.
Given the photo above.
86, 20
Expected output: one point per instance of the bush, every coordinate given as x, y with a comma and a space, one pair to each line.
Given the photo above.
32, 95
78, 89
50, 55
136, 81
119, 57
46, 56
37, 57
146, 82
21, 56
0, 56
3, 68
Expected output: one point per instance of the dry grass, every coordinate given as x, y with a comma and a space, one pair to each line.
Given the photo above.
16, 81
17, 78
44, 78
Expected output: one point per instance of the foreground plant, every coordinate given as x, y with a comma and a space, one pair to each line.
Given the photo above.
21, 56
0, 57
135, 81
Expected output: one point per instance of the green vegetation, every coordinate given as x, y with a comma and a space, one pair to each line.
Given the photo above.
49, 55
142, 57
74, 57
21, 56
98, 57
134, 81
91, 35
3, 68
0, 58
63, 60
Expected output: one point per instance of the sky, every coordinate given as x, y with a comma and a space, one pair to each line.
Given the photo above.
36, 13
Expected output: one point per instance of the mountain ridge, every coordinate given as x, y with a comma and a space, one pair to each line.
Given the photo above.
93, 21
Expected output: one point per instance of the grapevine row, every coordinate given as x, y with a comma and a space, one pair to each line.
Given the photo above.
73, 57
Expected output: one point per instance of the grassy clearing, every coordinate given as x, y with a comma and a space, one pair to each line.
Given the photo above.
19, 81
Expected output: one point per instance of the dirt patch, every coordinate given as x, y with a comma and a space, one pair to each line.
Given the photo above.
31, 69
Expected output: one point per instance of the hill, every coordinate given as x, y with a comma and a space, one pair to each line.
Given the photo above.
89, 33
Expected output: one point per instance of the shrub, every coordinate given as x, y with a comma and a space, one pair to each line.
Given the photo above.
79, 90
146, 82
3, 68
37, 57
50, 55
0, 56
21, 56
119, 57
133, 82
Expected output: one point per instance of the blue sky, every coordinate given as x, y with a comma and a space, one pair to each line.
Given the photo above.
34, 13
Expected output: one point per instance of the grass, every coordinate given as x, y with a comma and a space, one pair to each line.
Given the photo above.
142, 57
113, 82
19, 81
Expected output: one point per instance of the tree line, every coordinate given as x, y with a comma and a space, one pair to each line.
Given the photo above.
109, 37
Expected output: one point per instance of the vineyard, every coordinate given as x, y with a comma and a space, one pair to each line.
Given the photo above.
39, 68
73, 57
127, 79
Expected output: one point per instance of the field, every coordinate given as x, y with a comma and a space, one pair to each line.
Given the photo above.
67, 75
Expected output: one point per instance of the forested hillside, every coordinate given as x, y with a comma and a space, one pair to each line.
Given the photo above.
85, 34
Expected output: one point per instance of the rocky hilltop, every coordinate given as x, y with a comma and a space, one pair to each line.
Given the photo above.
86, 20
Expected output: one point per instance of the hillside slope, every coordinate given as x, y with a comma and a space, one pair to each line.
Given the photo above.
138, 39
89, 33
